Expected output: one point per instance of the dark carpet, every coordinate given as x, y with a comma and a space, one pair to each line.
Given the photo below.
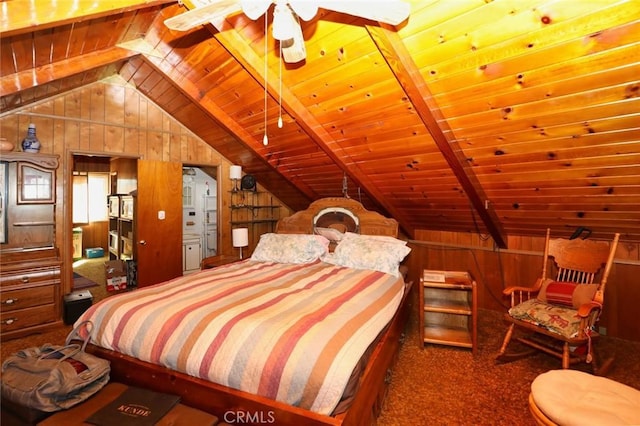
442, 385
80, 282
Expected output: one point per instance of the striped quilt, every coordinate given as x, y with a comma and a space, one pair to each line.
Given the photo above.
288, 332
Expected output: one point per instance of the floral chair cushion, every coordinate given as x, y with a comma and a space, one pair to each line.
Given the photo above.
562, 320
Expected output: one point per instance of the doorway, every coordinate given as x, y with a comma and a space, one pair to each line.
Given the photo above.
92, 239
90, 187
199, 215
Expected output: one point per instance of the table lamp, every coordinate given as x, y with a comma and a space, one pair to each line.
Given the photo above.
235, 174
240, 238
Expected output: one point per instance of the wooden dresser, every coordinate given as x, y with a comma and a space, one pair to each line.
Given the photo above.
30, 266
30, 293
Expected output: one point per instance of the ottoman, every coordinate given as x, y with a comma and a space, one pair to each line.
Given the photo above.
570, 397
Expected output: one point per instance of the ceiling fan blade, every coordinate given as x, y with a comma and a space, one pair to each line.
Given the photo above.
390, 12
293, 50
214, 13
304, 9
255, 8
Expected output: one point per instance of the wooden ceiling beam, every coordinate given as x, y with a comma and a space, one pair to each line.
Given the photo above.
218, 114
408, 76
17, 17
13, 83
239, 48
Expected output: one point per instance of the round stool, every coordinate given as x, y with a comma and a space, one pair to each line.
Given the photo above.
569, 397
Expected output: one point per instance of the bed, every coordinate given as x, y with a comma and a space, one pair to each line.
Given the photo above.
296, 334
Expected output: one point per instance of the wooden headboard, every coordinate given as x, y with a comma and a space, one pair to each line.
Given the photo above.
327, 212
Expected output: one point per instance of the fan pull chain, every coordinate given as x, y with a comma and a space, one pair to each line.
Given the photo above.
265, 139
280, 91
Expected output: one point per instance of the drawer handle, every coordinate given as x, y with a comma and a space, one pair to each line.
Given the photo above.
25, 279
9, 321
10, 301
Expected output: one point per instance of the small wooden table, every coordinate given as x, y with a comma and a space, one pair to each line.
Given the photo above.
219, 260
449, 308
180, 415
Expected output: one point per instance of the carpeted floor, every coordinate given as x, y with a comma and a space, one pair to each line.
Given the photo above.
93, 269
441, 385
82, 283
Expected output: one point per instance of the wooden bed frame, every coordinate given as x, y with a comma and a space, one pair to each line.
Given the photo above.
220, 400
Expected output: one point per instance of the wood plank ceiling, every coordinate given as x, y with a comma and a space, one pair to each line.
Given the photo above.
501, 117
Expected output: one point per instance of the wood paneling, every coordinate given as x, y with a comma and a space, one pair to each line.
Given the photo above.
494, 269
95, 235
113, 119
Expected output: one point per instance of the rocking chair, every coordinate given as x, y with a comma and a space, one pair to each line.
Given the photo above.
558, 315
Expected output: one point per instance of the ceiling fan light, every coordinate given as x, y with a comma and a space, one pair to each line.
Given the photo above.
284, 23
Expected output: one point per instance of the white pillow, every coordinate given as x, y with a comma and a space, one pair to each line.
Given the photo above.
290, 248
376, 253
330, 233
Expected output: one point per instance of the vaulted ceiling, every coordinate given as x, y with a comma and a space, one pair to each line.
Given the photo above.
499, 117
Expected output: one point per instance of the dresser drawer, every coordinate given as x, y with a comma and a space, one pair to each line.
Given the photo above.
30, 276
12, 300
24, 318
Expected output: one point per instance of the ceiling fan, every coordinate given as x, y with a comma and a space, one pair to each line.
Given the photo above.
286, 25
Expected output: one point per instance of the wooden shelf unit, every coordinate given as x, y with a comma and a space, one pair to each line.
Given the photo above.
121, 227
250, 207
255, 210
449, 304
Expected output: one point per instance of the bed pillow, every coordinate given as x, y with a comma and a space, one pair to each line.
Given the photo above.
290, 248
566, 293
363, 252
332, 234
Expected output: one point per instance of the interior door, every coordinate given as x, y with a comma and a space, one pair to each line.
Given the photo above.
159, 221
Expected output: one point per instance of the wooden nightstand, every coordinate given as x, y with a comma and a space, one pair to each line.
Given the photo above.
219, 260
449, 306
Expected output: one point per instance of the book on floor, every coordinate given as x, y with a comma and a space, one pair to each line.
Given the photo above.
135, 407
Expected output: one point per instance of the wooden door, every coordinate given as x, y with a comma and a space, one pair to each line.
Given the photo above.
158, 221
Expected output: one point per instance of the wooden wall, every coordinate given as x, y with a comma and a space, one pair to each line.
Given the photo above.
521, 264
114, 119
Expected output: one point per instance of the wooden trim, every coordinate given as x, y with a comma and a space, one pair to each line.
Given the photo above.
506, 251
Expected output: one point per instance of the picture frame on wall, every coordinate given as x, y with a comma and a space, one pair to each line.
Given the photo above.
4, 186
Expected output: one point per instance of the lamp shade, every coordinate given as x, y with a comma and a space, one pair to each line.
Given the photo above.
235, 172
240, 237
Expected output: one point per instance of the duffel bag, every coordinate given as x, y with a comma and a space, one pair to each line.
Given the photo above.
52, 378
